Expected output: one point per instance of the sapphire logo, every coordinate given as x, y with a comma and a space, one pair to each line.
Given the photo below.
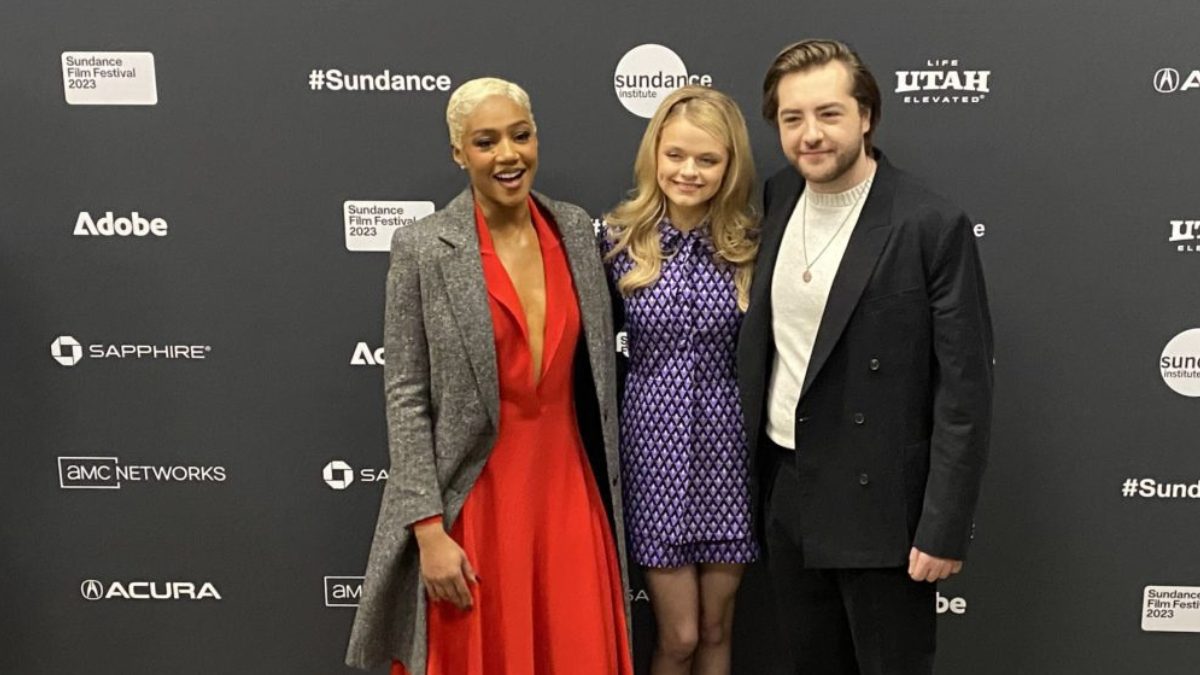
92, 589
338, 474
66, 350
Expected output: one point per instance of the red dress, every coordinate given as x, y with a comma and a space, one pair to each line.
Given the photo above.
549, 600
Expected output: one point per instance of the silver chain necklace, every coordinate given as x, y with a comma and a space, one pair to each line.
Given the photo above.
807, 276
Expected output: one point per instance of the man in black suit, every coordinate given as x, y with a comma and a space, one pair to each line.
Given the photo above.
865, 364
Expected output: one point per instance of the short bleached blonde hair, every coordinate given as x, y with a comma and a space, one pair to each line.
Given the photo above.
471, 93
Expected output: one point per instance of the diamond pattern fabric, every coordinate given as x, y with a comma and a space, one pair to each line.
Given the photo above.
683, 444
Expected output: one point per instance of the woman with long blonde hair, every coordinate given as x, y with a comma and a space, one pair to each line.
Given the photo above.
680, 251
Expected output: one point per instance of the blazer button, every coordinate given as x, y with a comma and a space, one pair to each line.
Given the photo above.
863, 479
859, 418
874, 364
616, 482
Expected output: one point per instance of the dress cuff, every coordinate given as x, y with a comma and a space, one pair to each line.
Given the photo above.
425, 521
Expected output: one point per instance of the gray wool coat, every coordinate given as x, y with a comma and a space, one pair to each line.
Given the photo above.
443, 406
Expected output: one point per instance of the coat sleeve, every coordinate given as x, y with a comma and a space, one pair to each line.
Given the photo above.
406, 388
962, 393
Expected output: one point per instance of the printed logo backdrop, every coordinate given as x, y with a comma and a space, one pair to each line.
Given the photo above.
195, 205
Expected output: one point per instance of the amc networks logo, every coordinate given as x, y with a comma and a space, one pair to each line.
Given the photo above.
343, 591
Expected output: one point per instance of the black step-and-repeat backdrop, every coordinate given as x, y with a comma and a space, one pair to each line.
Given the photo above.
195, 201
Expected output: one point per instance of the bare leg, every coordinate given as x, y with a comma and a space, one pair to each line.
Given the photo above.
718, 589
674, 595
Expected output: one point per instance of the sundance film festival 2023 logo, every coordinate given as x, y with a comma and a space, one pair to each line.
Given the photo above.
371, 224
647, 74
941, 81
1171, 609
68, 351
109, 78
1172, 80
339, 475
93, 590
108, 473
1180, 363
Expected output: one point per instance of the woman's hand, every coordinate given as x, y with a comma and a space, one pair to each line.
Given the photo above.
445, 569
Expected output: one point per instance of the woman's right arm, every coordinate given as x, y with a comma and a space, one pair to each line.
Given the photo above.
406, 377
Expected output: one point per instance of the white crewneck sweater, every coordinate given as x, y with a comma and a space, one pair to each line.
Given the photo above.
797, 306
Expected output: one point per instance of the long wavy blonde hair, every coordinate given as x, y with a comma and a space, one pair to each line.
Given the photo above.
733, 221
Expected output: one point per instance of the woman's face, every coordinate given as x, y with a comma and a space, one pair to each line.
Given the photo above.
690, 164
499, 150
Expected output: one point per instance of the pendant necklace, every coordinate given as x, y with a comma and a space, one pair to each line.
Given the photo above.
807, 276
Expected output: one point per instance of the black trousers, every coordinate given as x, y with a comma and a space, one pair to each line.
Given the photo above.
842, 621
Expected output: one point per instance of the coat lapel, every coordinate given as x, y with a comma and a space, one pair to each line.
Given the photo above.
768, 248
583, 257
462, 272
870, 234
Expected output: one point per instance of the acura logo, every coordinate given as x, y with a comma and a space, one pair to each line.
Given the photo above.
66, 350
92, 589
1166, 80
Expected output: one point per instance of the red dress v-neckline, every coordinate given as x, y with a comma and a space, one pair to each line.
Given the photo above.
502, 289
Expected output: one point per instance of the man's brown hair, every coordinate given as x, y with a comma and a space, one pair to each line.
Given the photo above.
808, 54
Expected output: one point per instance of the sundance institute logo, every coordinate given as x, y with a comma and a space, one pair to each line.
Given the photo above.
1180, 363
647, 74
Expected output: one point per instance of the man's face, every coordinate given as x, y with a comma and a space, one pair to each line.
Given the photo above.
821, 126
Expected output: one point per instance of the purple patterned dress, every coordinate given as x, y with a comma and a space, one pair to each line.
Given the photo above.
683, 443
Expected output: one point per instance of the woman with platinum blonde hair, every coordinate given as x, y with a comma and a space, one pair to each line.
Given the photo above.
680, 251
494, 551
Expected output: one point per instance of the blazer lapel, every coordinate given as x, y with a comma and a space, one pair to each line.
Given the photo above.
583, 257
462, 273
870, 234
772, 236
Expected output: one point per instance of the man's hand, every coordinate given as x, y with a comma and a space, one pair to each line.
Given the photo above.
925, 567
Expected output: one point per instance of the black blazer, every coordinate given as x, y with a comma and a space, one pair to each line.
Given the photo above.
894, 415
